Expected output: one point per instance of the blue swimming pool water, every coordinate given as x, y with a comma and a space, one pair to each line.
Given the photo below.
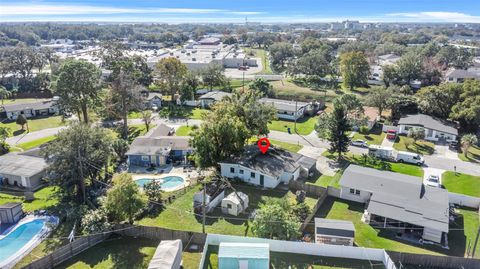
19, 237
167, 182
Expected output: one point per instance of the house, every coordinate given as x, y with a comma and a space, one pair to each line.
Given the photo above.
369, 117
22, 170
267, 170
235, 203
209, 41
435, 129
30, 110
167, 255
334, 232
158, 151
399, 201
10, 213
153, 99
460, 75
388, 59
209, 98
288, 110
243, 256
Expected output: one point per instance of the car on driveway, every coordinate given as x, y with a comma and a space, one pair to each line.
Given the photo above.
433, 181
391, 134
453, 145
359, 143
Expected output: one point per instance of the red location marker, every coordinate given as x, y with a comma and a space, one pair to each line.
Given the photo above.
263, 144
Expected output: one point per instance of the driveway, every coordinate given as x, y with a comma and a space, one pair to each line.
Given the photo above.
443, 151
428, 171
387, 143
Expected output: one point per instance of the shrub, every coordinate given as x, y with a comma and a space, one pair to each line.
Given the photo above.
364, 129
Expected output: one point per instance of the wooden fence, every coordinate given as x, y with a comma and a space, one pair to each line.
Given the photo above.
314, 211
311, 190
83, 243
404, 260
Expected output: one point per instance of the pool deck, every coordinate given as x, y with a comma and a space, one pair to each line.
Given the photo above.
173, 171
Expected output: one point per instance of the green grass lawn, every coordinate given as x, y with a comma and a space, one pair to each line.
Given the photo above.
421, 147
22, 101
459, 239
374, 137
44, 198
288, 90
262, 54
365, 235
182, 112
325, 180
183, 131
472, 156
136, 130
179, 215
403, 168
35, 124
134, 115
461, 183
286, 146
304, 126
36, 143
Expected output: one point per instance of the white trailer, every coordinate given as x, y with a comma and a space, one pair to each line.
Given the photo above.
390, 154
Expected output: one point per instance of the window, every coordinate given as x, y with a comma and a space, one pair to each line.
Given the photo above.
252, 174
357, 192
229, 206
144, 158
352, 191
241, 172
232, 170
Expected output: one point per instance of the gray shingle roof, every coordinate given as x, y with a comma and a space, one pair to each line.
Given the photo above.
158, 145
284, 105
215, 95
160, 130
274, 162
428, 122
400, 197
21, 165
34, 106
334, 227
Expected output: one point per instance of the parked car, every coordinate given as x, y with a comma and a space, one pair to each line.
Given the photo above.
359, 143
391, 134
433, 181
453, 145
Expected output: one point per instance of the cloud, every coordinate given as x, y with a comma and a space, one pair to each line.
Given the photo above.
436, 16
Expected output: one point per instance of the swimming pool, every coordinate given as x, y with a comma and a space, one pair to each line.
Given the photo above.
168, 183
15, 242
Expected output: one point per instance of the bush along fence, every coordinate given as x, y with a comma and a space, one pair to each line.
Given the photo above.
81, 244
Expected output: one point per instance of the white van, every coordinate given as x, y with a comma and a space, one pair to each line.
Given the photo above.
409, 157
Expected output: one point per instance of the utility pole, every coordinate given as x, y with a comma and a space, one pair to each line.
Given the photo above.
82, 183
204, 205
295, 117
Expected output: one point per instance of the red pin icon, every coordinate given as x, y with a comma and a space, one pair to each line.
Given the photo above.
263, 144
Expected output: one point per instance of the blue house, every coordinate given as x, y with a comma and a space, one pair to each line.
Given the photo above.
243, 256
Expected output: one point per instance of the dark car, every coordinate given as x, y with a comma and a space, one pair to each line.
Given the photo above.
453, 145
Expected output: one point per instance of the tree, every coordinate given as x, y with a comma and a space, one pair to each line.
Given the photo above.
120, 147
189, 86
4, 93
124, 200
416, 133
439, 100
78, 154
409, 67
147, 118
153, 191
213, 76
314, 65
262, 86
95, 221
274, 220
355, 69
78, 86
334, 126
280, 52
22, 121
467, 141
389, 75
467, 111
4, 133
378, 97
170, 74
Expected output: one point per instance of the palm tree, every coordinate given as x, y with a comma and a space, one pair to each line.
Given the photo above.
467, 141
4, 93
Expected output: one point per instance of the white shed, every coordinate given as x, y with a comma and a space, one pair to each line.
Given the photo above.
232, 204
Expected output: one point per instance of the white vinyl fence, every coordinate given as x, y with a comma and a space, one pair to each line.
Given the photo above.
464, 200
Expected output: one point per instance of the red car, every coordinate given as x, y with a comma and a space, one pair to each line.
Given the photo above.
391, 134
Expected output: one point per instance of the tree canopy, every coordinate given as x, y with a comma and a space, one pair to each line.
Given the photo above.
355, 69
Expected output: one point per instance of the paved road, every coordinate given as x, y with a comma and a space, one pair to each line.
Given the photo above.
27, 137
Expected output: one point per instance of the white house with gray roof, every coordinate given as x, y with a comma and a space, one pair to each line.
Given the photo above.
267, 170
209, 98
288, 110
399, 201
22, 170
30, 110
435, 129
460, 75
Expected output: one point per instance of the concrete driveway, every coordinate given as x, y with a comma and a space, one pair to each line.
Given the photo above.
443, 151
387, 143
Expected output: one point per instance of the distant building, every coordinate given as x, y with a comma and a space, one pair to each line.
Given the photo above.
335, 26
267, 170
209, 98
210, 41
30, 110
460, 75
435, 129
153, 99
288, 110
22, 171
334, 232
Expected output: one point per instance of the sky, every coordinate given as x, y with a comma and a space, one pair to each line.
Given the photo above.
225, 11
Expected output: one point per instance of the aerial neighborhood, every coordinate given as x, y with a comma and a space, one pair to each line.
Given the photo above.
237, 142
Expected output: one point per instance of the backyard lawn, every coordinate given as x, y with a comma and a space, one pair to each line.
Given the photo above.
180, 216
35, 124
288, 90
374, 137
422, 147
182, 112
461, 183
305, 125
325, 180
286, 146
367, 236
44, 198
403, 168
183, 131
473, 155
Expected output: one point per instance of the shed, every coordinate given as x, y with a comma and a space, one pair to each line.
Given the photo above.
334, 232
244, 256
232, 204
167, 256
10, 212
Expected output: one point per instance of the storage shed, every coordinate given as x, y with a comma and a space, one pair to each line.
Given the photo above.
10, 212
235, 204
244, 256
334, 232
167, 256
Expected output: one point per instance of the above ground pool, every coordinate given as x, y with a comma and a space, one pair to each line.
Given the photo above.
14, 242
169, 182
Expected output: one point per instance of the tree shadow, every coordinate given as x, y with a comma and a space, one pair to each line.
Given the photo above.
19, 132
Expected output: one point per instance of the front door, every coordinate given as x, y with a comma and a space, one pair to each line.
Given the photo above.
262, 180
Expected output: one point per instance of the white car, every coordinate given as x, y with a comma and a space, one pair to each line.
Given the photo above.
359, 143
433, 181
